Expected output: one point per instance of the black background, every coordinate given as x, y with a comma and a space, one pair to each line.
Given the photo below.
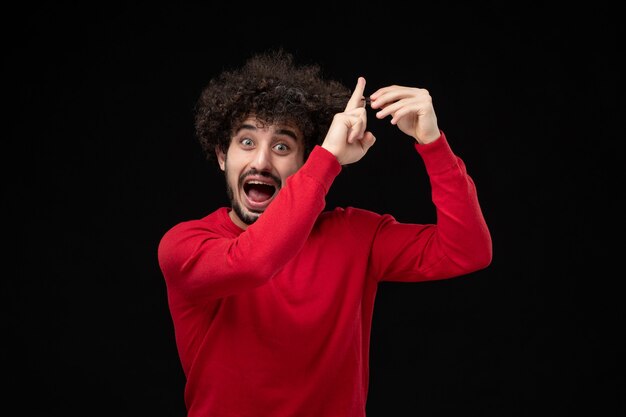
102, 160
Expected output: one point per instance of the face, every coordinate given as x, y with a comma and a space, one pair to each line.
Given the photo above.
256, 165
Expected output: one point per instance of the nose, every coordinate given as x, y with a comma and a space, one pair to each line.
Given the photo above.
262, 159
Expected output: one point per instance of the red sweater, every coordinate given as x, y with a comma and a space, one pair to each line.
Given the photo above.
274, 321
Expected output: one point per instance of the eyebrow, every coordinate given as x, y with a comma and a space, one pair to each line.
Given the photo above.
286, 132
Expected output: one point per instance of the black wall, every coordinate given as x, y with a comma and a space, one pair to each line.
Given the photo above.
102, 160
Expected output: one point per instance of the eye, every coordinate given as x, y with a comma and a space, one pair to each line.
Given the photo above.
246, 142
281, 148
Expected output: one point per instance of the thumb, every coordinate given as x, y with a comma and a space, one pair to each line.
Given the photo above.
368, 140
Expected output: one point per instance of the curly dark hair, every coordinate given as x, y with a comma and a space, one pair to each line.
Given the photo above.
272, 88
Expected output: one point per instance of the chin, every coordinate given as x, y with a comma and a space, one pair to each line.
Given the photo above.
246, 216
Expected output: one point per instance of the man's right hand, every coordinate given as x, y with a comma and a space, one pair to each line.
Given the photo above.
347, 137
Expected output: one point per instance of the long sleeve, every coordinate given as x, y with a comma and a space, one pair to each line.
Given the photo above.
459, 242
277, 317
201, 262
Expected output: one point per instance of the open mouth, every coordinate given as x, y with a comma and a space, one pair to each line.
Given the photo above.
259, 192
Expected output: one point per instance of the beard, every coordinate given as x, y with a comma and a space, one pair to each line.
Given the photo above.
247, 216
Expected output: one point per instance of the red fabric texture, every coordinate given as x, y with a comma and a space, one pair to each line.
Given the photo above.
275, 320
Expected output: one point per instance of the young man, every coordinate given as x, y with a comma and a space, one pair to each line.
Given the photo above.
272, 298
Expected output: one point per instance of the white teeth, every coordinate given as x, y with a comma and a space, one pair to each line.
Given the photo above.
258, 182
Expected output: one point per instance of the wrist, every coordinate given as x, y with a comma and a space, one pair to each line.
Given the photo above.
427, 138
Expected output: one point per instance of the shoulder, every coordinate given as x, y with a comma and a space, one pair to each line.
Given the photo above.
184, 238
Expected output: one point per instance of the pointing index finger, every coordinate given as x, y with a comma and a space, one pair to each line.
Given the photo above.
356, 99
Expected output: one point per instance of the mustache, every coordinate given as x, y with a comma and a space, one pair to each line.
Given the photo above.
254, 171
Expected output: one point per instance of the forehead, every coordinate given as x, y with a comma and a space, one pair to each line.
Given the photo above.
252, 124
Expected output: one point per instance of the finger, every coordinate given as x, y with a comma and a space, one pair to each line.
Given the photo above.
399, 108
389, 95
357, 123
356, 100
368, 140
376, 98
402, 112
356, 130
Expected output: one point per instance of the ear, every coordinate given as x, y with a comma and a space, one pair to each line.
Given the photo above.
221, 158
